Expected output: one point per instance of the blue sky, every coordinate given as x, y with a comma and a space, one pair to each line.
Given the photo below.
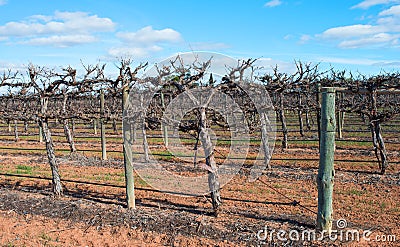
355, 35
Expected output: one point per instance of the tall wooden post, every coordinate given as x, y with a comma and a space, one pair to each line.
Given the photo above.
16, 131
40, 134
163, 126
9, 125
127, 148
339, 125
326, 170
340, 116
95, 126
317, 98
102, 128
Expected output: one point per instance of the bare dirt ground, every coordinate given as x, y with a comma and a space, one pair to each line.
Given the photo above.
285, 199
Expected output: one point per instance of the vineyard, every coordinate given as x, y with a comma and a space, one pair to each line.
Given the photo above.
73, 148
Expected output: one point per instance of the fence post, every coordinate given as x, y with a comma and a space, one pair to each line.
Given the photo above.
40, 134
102, 127
339, 124
163, 126
317, 98
326, 170
16, 131
127, 148
340, 115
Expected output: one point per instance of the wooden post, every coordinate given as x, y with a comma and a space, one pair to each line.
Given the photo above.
102, 128
127, 148
67, 131
326, 170
163, 126
16, 131
300, 115
318, 90
40, 134
342, 119
339, 124
9, 125
95, 126
283, 122
339, 118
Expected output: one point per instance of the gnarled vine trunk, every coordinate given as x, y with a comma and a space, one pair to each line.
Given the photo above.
264, 137
379, 145
43, 123
213, 181
376, 131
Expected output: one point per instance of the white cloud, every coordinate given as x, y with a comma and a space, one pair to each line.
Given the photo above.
149, 35
273, 3
38, 29
6, 65
383, 30
357, 36
61, 40
369, 3
387, 64
144, 41
3, 2
60, 23
380, 39
305, 38
137, 52
394, 10
268, 64
350, 31
360, 61
208, 46
288, 36
352, 61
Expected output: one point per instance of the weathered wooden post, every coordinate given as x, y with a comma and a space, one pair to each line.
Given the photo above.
95, 126
326, 170
163, 126
127, 148
340, 116
339, 125
318, 99
102, 128
16, 131
40, 134
9, 125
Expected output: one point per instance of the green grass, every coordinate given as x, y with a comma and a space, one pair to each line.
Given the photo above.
44, 236
139, 182
356, 192
9, 244
23, 169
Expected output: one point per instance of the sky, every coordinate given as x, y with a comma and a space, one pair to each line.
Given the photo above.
359, 36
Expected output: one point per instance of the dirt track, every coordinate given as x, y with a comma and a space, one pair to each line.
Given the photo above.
90, 215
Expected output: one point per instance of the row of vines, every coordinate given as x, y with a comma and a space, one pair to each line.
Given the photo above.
42, 95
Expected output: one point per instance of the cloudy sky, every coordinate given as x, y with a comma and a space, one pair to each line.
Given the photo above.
355, 35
